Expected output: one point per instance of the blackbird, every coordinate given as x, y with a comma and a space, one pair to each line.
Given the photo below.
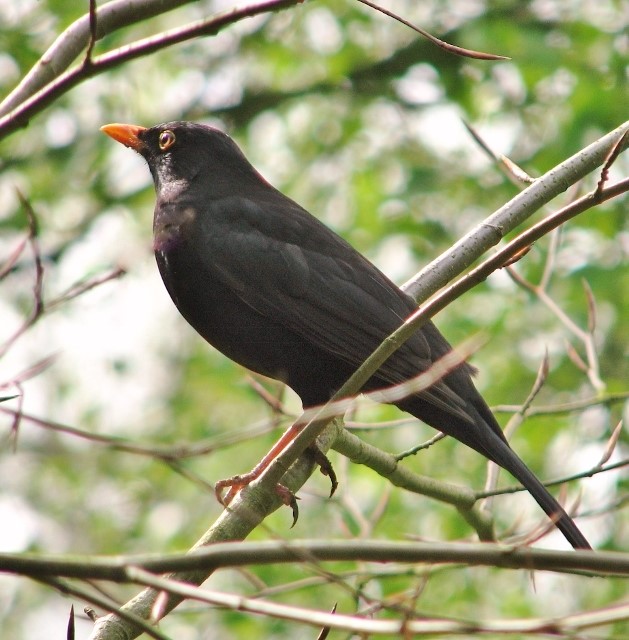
275, 290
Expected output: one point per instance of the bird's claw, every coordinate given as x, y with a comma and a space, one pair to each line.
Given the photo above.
289, 499
325, 466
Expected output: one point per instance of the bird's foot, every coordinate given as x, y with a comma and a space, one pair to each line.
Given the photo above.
236, 483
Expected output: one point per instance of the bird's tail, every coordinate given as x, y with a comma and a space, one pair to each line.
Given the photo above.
504, 456
482, 433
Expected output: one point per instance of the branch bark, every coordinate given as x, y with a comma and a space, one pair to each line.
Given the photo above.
54, 83
226, 555
75, 39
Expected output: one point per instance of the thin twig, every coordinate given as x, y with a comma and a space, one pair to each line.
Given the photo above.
446, 46
615, 151
38, 306
516, 174
93, 34
566, 407
172, 452
551, 258
493, 470
581, 475
82, 286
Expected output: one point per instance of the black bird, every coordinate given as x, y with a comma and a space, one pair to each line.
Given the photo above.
274, 289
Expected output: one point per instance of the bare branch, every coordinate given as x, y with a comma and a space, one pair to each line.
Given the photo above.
518, 418
93, 33
405, 627
38, 305
67, 47
257, 553
516, 174
611, 158
82, 286
11, 261
36, 102
446, 46
489, 232
170, 453
549, 265
611, 446
567, 407
559, 481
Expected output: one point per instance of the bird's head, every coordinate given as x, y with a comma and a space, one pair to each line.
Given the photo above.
187, 156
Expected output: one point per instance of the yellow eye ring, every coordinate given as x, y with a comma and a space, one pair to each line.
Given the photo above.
166, 139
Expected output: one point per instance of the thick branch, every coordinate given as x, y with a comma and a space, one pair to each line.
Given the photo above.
493, 229
75, 39
38, 101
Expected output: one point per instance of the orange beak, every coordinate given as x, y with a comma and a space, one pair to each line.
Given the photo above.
126, 134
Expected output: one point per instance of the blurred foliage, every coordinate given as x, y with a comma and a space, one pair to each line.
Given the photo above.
358, 119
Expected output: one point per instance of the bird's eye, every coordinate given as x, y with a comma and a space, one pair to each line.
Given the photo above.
166, 139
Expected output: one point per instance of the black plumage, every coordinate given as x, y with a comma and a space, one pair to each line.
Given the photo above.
275, 290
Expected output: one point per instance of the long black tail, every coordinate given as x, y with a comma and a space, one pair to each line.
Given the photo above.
482, 433
504, 456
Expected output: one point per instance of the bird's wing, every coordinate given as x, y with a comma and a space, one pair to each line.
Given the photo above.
288, 266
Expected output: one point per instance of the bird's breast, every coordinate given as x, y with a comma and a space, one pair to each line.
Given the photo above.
170, 226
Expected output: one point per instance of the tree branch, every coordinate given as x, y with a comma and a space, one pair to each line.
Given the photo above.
227, 555
67, 47
56, 86
491, 230
401, 626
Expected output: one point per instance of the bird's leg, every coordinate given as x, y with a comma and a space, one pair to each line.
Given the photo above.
236, 483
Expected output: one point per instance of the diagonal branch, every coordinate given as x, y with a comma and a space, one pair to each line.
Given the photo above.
35, 102
436, 304
68, 45
493, 229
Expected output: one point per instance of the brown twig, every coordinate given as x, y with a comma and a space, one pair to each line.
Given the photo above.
446, 46
93, 34
38, 306
614, 152
516, 174
82, 286
11, 261
21, 114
